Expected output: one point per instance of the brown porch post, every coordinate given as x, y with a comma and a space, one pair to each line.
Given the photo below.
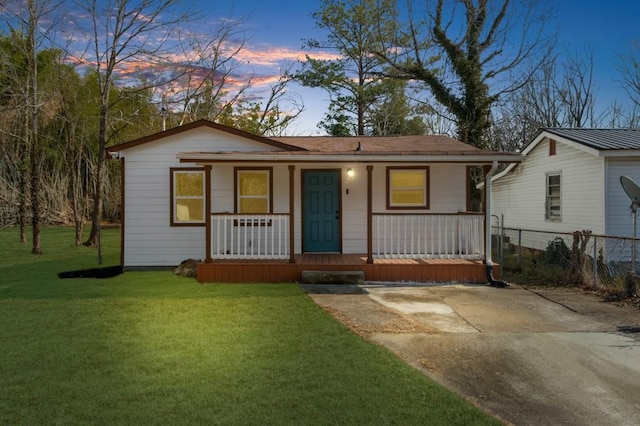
292, 257
122, 210
485, 170
207, 212
369, 214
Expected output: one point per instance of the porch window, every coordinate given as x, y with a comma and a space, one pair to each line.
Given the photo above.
407, 187
253, 189
187, 197
552, 203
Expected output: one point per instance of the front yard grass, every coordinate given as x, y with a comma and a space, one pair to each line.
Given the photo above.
154, 348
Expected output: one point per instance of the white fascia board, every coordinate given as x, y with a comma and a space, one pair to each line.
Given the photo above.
621, 153
337, 158
557, 138
503, 173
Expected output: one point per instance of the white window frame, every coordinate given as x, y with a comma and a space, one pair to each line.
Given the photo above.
548, 214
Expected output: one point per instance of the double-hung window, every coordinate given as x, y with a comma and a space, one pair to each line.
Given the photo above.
187, 197
553, 200
407, 187
253, 189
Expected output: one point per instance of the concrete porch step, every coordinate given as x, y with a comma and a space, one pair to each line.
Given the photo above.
332, 277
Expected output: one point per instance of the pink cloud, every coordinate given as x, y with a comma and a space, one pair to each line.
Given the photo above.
269, 56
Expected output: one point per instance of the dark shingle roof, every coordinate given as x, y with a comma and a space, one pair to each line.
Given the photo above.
600, 139
379, 144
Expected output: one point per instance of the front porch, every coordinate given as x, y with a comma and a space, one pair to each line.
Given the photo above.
392, 270
400, 247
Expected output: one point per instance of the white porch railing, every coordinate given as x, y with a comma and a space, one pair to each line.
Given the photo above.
428, 236
244, 236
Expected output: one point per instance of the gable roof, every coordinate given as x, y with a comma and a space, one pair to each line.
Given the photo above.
597, 142
600, 139
195, 125
326, 148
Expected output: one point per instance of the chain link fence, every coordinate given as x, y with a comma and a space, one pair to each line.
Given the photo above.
578, 258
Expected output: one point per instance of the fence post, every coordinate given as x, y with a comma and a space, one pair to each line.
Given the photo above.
501, 243
595, 260
519, 246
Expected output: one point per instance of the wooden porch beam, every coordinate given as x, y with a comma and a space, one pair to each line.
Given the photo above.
292, 257
485, 170
369, 214
207, 213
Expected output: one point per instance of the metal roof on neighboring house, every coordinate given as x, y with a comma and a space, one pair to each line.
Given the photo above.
600, 139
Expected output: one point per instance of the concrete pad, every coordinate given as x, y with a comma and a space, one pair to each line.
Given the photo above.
529, 357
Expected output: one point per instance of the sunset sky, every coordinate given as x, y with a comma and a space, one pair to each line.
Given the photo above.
274, 33
276, 30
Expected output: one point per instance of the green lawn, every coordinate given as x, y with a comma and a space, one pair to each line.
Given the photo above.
153, 348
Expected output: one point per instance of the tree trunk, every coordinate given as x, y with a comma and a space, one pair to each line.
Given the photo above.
35, 175
96, 217
74, 192
579, 271
22, 191
36, 184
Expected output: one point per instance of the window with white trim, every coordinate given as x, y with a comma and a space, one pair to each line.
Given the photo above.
553, 197
188, 198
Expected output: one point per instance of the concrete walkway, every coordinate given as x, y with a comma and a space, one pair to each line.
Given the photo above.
542, 357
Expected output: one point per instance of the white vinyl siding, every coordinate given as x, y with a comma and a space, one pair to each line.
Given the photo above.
619, 218
151, 241
520, 196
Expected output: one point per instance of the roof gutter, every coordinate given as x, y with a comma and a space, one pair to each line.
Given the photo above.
487, 237
207, 158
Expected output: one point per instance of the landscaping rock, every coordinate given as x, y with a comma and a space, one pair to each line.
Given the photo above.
187, 268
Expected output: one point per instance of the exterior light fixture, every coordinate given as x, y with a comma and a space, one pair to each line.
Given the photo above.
350, 172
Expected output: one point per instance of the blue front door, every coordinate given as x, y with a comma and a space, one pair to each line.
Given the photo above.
321, 211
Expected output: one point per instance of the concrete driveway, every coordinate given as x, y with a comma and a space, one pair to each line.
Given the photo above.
529, 357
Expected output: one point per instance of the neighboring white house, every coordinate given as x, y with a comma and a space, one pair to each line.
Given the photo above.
210, 192
569, 180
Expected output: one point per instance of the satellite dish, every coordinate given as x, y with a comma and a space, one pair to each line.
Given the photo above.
632, 190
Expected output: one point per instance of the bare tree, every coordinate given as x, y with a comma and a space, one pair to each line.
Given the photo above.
207, 84
122, 32
558, 95
15, 151
577, 92
26, 23
270, 117
630, 72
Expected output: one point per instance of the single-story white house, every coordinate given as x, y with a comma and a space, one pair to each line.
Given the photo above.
263, 209
569, 180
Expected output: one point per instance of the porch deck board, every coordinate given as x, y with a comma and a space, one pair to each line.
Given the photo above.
390, 270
